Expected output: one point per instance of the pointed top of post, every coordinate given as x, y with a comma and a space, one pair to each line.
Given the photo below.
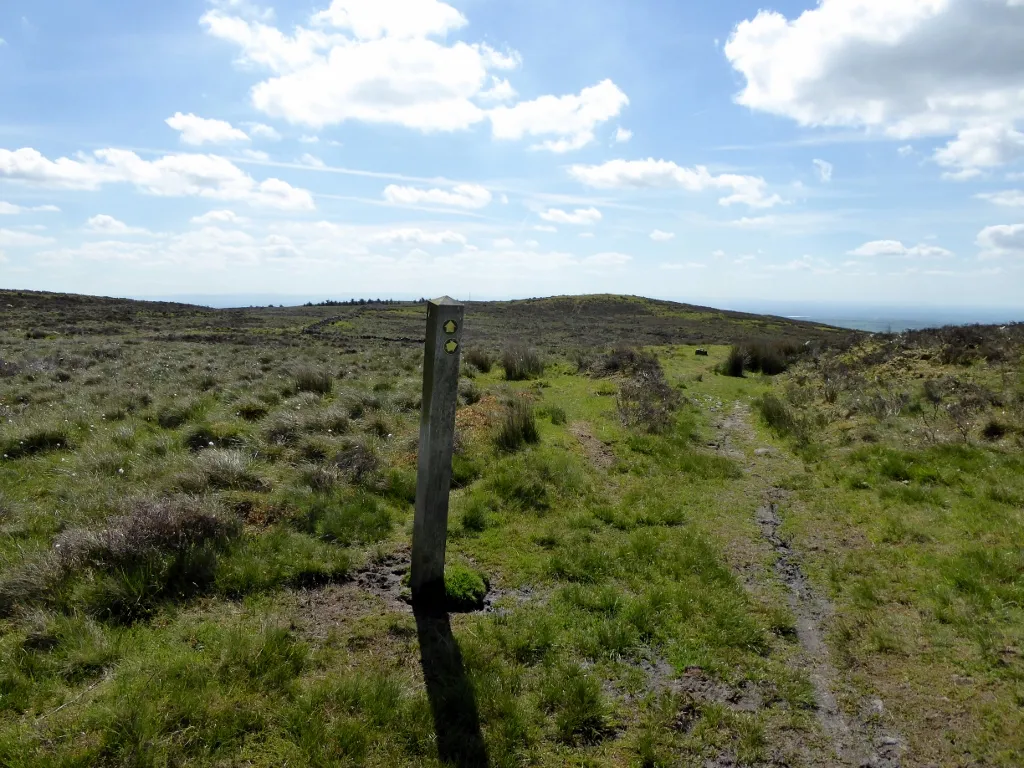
446, 301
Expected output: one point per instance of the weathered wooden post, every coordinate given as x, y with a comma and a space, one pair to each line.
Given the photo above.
437, 435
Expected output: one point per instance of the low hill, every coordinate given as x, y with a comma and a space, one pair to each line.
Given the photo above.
551, 324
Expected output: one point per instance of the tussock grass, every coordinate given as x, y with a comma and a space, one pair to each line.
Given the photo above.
521, 362
518, 427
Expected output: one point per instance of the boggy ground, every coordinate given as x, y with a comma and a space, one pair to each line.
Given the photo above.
203, 540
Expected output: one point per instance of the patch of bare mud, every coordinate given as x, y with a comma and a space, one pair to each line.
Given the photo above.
599, 454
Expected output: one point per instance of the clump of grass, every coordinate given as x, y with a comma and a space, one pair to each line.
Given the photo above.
518, 428
363, 519
465, 589
734, 364
469, 392
221, 470
173, 414
474, 516
160, 549
309, 379
36, 441
781, 420
357, 459
994, 430
647, 400
480, 359
282, 429
557, 415
576, 701
212, 436
252, 409
521, 362
629, 360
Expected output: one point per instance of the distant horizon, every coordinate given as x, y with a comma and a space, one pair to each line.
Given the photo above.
866, 316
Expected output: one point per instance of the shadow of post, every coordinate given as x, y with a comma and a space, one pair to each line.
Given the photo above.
452, 702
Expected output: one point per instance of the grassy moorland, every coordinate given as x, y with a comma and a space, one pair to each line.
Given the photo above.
205, 520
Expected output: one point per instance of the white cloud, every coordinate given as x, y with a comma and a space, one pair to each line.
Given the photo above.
896, 248
755, 222
255, 154
719, 254
683, 265
580, 217
607, 260
660, 237
411, 235
504, 243
1002, 240
10, 238
907, 68
1010, 197
10, 209
261, 131
471, 196
220, 216
804, 264
367, 61
545, 228
746, 259
311, 160
504, 199
622, 135
964, 174
501, 90
651, 174
373, 19
571, 119
196, 130
309, 139
906, 150
986, 146
824, 170
183, 175
108, 225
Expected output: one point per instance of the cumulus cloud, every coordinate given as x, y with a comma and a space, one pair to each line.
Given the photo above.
907, 68
108, 225
570, 119
369, 61
653, 174
1002, 240
219, 216
897, 248
10, 238
182, 175
755, 222
413, 235
390, 61
470, 196
824, 170
660, 237
905, 151
607, 260
545, 228
10, 209
501, 90
261, 131
311, 160
580, 217
622, 135
196, 130
255, 154
1011, 198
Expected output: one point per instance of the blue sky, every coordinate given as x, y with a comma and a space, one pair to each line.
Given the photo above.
850, 150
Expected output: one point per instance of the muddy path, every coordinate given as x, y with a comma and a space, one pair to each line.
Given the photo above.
858, 739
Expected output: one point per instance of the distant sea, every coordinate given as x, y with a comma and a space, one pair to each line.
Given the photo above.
862, 317
879, 319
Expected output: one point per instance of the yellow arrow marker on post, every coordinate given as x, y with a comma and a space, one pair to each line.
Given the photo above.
451, 326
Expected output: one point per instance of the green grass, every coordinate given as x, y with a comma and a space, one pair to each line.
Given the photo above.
247, 626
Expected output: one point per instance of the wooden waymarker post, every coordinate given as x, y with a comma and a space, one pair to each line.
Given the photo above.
437, 435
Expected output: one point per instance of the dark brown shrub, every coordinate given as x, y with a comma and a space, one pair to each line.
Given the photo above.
480, 359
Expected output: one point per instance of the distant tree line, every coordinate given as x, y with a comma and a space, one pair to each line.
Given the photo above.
360, 302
